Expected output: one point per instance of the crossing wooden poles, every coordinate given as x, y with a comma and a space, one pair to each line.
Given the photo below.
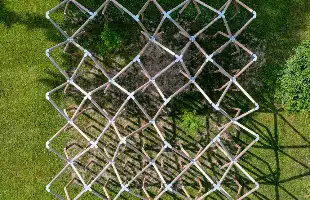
155, 163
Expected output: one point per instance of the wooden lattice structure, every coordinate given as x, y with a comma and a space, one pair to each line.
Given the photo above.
103, 163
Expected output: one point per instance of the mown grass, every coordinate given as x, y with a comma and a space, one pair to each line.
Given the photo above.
27, 120
280, 161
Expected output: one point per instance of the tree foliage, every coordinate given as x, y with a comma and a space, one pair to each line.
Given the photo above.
110, 40
191, 123
294, 84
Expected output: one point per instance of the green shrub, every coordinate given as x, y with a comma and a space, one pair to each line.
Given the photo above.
191, 123
294, 84
110, 41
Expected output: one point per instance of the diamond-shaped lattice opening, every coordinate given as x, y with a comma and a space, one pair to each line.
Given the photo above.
133, 162
90, 120
230, 140
147, 184
235, 58
212, 162
152, 99
155, 59
88, 75
151, 17
216, 82
68, 143
107, 184
66, 57
212, 42
172, 80
192, 183
130, 119
67, 184
171, 36
193, 59
129, 162
237, 184
149, 142
237, 16
174, 132
237, 140
132, 78
194, 16
69, 16
237, 103
94, 168
109, 98
169, 164
66, 98
108, 141
90, 164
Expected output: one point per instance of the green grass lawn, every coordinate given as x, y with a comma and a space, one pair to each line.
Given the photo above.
27, 119
280, 161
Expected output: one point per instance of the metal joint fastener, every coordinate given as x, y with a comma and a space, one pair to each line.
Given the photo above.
47, 15
136, 18
221, 14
